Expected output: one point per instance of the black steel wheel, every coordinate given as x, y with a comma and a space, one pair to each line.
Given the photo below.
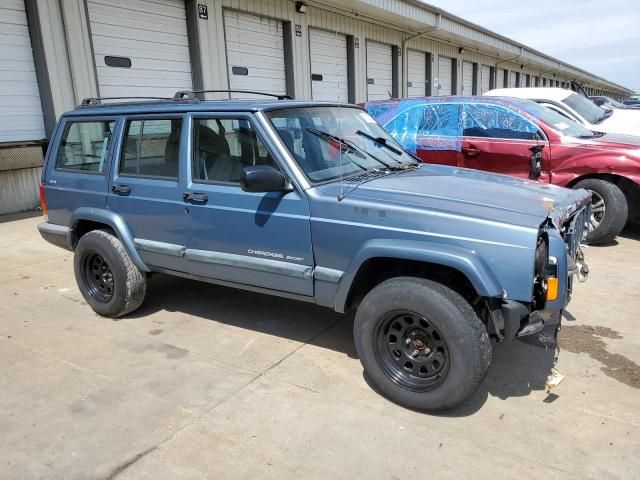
412, 351
97, 277
106, 276
421, 344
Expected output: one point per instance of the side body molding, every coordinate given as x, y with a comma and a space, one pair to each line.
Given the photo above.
465, 261
116, 222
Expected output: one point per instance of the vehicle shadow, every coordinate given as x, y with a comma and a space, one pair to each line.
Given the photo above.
517, 369
631, 231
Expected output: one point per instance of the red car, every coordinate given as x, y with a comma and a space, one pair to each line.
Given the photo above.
524, 139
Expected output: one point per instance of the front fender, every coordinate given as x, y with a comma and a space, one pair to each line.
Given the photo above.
467, 262
117, 223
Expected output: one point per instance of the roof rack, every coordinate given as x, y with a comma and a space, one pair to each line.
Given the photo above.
191, 94
90, 101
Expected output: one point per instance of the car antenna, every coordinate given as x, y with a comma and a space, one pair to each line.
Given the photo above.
342, 193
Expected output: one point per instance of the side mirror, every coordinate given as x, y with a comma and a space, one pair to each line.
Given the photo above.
264, 178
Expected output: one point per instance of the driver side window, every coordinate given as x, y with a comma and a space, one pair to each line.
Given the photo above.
222, 147
495, 121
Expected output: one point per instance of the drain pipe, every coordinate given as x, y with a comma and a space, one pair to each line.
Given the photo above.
405, 56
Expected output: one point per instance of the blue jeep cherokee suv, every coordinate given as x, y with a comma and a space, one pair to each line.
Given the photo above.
314, 202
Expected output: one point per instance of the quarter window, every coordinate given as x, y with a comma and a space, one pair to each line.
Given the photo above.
222, 147
151, 148
85, 146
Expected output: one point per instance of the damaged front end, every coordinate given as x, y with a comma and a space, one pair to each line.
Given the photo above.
559, 259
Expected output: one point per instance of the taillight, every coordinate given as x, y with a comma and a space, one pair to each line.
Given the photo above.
43, 199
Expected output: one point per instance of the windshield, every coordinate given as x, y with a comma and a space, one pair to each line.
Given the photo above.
554, 119
585, 108
330, 142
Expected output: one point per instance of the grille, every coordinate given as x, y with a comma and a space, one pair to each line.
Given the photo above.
576, 230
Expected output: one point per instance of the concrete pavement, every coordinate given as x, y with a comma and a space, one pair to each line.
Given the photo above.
209, 382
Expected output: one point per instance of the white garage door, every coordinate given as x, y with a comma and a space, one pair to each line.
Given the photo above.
417, 74
467, 78
379, 71
500, 78
513, 80
141, 48
485, 79
20, 108
445, 74
329, 74
255, 53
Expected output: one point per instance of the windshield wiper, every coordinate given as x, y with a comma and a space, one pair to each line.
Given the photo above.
346, 146
380, 141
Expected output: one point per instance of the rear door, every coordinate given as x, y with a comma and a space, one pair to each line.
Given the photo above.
500, 140
148, 184
77, 175
259, 239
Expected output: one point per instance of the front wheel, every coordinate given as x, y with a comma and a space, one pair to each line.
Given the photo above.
609, 210
421, 344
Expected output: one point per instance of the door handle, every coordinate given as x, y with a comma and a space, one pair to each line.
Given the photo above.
121, 189
470, 151
195, 197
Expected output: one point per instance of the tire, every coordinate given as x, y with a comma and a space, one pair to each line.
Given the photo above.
445, 323
616, 210
107, 278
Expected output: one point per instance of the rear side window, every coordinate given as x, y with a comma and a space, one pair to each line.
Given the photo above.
493, 121
151, 148
85, 146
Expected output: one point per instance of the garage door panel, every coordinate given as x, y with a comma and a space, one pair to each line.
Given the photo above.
156, 38
143, 20
328, 54
105, 45
485, 79
170, 8
445, 66
153, 35
379, 70
467, 78
21, 118
257, 44
416, 74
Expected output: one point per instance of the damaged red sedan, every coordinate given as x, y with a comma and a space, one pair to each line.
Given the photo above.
524, 139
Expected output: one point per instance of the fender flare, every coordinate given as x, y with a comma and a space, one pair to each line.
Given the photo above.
117, 223
467, 262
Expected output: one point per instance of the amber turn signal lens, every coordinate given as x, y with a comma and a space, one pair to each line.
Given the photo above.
552, 288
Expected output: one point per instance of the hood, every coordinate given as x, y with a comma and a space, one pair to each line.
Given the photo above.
475, 193
622, 121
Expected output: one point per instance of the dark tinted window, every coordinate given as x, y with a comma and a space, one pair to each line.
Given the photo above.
151, 148
85, 146
222, 147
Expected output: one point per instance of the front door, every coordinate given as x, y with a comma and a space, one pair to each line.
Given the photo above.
259, 239
147, 185
500, 140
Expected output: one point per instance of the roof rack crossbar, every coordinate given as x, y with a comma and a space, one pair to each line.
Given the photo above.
191, 94
98, 100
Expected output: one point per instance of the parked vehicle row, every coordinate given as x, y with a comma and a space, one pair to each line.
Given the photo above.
316, 202
525, 139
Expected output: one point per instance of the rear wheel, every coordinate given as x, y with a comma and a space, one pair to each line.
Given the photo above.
421, 344
609, 210
107, 278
